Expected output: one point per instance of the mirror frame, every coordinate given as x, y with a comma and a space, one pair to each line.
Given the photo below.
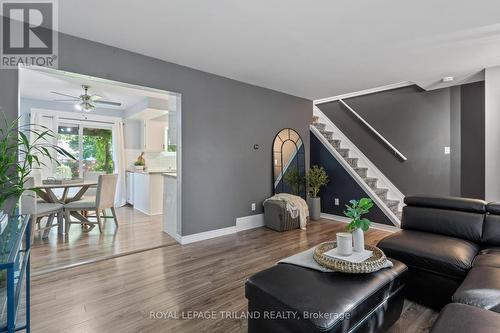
278, 182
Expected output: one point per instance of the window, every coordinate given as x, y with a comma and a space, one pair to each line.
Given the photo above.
91, 146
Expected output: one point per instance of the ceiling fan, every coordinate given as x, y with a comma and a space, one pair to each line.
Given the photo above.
85, 101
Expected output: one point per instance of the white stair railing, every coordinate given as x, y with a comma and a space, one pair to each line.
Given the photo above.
374, 131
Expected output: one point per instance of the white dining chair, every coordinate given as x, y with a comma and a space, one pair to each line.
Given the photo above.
104, 199
37, 209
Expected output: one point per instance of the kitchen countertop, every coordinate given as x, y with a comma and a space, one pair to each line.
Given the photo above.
170, 174
152, 171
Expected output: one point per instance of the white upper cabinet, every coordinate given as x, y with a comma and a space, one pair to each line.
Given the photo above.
153, 135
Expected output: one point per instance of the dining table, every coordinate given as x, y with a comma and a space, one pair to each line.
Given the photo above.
47, 192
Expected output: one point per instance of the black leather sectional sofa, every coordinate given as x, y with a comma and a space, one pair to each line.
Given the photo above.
452, 249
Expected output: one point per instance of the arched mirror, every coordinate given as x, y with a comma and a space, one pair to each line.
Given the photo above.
289, 166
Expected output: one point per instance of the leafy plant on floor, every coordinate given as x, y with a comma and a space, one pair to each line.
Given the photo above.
294, 180
23, 148
355, 211
316, 178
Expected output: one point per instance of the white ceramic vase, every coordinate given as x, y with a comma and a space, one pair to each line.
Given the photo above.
344, 243
358, 237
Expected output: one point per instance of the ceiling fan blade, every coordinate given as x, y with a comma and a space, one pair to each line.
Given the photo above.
108, 103
95, 97
66, 100
75, 97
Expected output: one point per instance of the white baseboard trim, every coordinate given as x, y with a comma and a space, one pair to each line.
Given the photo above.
206, 235
249, 222
242, 223
344, 219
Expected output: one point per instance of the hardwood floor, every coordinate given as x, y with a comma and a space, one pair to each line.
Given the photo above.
119, 294
136, 232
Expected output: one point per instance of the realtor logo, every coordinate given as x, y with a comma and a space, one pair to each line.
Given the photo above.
29, 33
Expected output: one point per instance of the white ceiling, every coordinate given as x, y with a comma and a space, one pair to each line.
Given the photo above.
312, 49
37, 84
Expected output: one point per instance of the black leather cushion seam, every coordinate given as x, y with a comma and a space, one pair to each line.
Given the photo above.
382, 302
434, 272
347, 311
355, 305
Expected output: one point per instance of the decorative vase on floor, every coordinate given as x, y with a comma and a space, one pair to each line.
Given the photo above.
358, 238
314, 208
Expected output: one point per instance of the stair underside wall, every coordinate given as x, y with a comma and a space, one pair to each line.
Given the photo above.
341, 185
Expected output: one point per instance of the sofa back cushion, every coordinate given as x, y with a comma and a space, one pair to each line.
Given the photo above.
491, 229
454, 217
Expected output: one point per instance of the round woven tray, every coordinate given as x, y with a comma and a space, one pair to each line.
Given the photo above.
372, 264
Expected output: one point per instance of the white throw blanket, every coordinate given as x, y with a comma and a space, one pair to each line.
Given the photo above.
295, 205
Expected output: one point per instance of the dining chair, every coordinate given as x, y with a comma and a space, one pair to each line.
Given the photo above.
92, 176
104, 199
30, 204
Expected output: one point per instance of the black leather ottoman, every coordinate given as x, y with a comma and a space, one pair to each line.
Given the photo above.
288, 298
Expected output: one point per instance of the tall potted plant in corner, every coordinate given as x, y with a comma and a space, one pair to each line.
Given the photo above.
316, 179
19, 155
358, 224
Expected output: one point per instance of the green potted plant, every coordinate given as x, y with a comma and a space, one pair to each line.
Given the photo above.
316, 178
294, 180
19, 155
358, 224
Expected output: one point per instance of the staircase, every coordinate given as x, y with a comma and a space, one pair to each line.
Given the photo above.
379, 188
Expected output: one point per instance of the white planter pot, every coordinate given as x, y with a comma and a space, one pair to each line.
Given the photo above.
344, 243
358, 237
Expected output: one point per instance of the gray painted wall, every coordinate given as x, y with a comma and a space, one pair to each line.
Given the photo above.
472, 140
416, 122
420, 124
221, 121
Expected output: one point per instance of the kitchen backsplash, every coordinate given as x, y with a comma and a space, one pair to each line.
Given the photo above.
154, 161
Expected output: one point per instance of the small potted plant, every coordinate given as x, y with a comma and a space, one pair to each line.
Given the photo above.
140, 163
358, 224
316, 178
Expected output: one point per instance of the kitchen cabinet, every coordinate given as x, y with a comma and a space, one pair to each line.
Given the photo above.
129, 177
148, 192
153, 135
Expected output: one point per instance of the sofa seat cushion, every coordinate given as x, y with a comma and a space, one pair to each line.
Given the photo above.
438, 254
309, 294
462, 318
487, 257
481, 288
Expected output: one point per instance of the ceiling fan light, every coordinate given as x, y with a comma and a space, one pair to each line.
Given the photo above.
78, 107
87, 107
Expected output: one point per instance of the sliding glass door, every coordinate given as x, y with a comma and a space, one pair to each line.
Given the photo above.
92, 147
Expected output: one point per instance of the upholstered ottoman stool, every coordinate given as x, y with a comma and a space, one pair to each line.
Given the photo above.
289, 298
276, 216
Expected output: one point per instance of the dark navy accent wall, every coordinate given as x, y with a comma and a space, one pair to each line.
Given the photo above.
341, 184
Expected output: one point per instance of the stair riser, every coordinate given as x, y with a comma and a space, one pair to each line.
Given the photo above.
353, 162
344, 153
382, 196
328, 135
362, 172
335, 143
320, 126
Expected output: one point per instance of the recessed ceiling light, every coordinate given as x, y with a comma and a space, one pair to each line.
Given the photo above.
448, 79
